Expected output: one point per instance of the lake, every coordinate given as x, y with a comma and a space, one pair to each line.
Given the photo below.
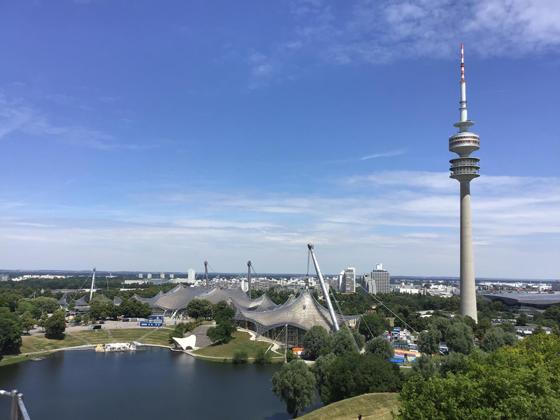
151, 383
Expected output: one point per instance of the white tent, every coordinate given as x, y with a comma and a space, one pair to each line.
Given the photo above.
186, 343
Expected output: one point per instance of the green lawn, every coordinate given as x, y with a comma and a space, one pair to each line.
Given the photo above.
241, 342
370, 406
39, 345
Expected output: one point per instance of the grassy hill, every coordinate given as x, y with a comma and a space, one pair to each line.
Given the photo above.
370, 406
241, 342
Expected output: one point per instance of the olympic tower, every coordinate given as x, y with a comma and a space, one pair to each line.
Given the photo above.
464, 169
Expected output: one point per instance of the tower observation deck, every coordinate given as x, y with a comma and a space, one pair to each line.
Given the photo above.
464, 169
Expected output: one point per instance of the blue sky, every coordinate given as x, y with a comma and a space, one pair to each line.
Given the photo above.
151, 136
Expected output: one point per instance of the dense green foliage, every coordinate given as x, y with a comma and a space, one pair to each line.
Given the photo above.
343, 342
372, 325
200, 308
131, 308
223, 312
354, 374
495, 338
317, 341
519, 382
380, 347
10, 332
428, 341
294, 384
221, 333
55, 325
225, 327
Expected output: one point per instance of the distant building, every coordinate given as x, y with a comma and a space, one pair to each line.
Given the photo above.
378, 281
349, 280
162, 276
4, 277
140, 276
149, 276
191, 276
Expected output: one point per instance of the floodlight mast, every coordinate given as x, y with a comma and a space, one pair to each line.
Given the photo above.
206, 273
92, 285
323, 288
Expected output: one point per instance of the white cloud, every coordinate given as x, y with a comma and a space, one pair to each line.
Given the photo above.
18, 117
407, 220
384, 30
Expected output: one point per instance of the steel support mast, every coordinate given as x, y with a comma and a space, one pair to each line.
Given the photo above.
92, 285
324, 288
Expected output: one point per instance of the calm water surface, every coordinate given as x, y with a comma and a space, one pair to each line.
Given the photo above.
149, 384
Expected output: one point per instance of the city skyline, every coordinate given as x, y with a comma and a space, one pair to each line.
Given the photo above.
243, 132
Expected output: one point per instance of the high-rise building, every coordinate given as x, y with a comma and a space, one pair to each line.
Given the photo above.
464, 169
378, 281
349, 280
162, 276
191, 276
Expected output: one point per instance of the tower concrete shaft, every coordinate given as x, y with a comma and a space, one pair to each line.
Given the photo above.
464, 169
468, 288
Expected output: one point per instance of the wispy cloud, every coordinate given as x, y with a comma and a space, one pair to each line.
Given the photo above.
18, 117
407, 219
382, 31
390, 153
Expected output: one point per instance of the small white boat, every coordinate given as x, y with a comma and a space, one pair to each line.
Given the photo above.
111, 347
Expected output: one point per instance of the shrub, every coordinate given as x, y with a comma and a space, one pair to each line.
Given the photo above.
240, 357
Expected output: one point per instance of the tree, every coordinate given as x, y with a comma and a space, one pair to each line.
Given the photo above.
359, 339
223, 312
199, 308
321, 369
343, 342
453, 363
372, 325
459, 337
55, 325
10, 332
221, 333
380, 347
428, 341
44, 305
316, 342
523, 319
355, 374
27, 322
131, 308
100, 309
425, 366
295, 385
519, 382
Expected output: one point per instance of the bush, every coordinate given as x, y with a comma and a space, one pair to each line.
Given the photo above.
240, 357
263, 357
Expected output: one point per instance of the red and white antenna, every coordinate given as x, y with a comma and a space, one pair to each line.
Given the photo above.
463, 101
